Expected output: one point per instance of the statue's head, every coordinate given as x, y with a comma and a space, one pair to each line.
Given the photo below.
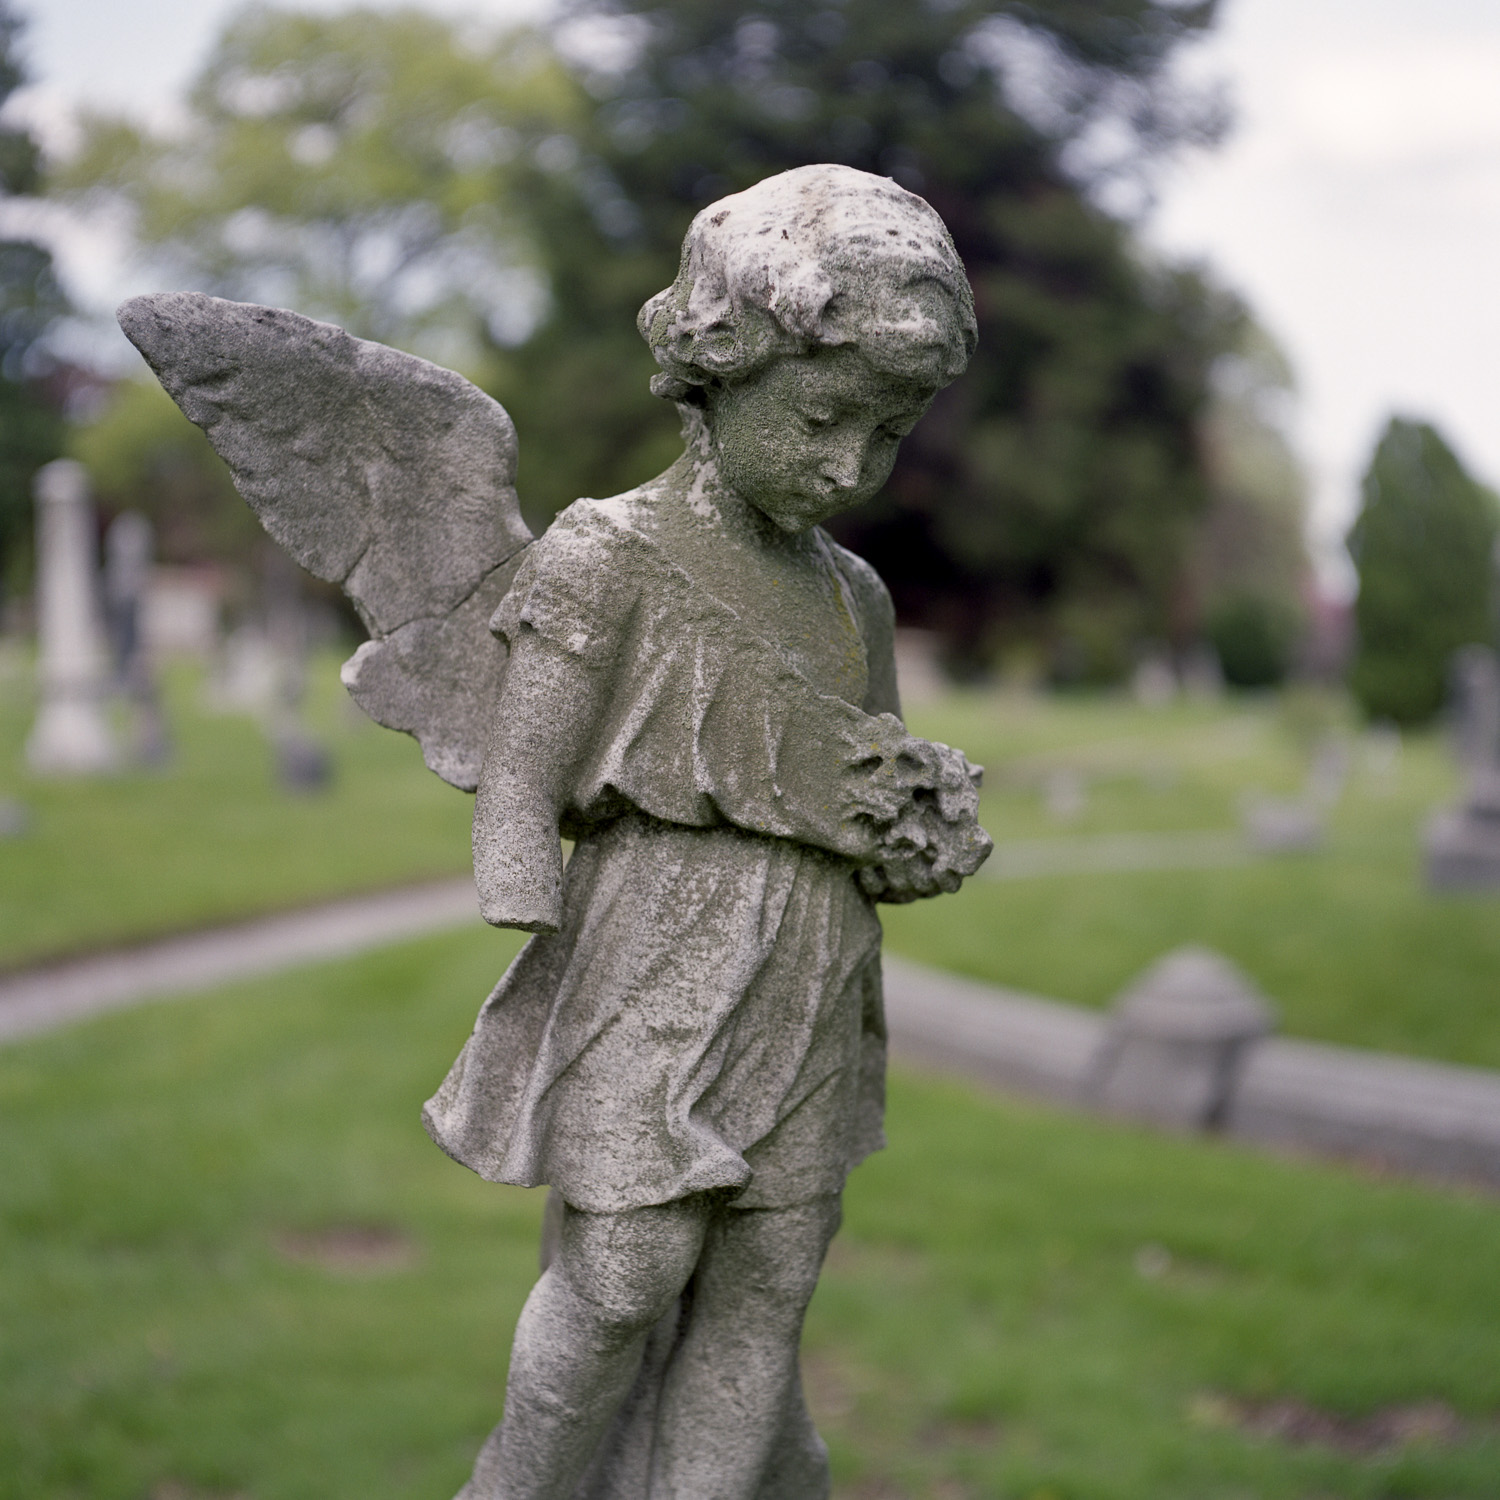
820, 309
818, 257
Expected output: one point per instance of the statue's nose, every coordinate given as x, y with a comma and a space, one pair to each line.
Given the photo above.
842, 470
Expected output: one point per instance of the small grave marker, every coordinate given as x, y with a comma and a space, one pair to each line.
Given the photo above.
1177, 1039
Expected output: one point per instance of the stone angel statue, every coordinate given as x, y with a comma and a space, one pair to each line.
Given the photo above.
694, 684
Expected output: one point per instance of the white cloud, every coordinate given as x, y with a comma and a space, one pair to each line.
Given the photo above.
1400, 106
1358, 207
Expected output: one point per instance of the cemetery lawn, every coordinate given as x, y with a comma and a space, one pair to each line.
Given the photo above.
1345, 941
231, 1265
212, 838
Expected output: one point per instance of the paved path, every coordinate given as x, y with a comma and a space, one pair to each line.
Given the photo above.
52, 996
1430, 1118
1034, 1045
58, 993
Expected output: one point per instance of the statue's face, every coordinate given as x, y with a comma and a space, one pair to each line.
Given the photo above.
811, 435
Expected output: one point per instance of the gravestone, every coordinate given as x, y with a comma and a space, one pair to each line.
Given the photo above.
1177, 1039
71, 736
1282, 825
1066, 794
303, 763
129, 547
1154, 684
246, 675
1299, 825
1463, 842
919, 669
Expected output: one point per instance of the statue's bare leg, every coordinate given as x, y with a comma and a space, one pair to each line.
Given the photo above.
732, 1398
579, 1340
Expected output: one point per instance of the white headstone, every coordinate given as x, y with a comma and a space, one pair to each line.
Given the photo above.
71, 736
1463, 842
1177, 1040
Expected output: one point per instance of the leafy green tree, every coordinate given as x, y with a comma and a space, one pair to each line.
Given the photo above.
30, 300
353, 166
142, 454
1063, 474
1254, 637
373, 168
1249, 571
1423, 546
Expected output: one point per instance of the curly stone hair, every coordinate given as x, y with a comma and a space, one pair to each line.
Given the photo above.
814, 257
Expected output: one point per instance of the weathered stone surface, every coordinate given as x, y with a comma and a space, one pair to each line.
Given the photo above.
437, 678
1426, 1117
1003, 1038
1177, 1039
375, 470
697, 686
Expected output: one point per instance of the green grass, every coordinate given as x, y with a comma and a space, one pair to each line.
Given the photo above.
983, 1330
213, 838
1346, 941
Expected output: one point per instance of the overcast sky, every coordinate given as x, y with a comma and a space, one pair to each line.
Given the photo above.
1356, 205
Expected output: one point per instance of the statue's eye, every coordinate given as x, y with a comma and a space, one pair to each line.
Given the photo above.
815, 420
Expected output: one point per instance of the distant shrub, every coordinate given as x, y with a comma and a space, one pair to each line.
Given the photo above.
1254, 638
1423, 547
1093, 646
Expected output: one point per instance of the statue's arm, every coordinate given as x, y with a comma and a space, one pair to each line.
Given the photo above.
933, 847
875, 616
878, 623
543, 721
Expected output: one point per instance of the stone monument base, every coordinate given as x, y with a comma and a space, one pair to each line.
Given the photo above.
71, 738
1463, 850
1177, 1040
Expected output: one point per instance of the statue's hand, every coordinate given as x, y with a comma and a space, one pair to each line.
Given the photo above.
937, 841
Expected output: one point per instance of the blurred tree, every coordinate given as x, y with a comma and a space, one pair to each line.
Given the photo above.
30, 300
375, 168
1423, 546
1254, 636
1059, 480
351, 166
1249, 573
142, 454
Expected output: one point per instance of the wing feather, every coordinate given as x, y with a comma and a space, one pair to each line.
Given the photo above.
375, 470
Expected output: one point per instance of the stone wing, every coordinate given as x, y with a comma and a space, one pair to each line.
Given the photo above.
375, 470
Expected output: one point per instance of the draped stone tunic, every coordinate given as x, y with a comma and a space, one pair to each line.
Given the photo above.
708, 1015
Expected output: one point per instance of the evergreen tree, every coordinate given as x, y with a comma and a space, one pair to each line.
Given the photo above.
1059, 480
30, 299
1423, 545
